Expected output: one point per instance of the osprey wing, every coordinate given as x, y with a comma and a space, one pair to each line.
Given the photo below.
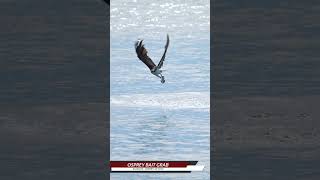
142, 54
164, 53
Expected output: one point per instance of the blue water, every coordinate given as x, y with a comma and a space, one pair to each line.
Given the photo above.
150, 120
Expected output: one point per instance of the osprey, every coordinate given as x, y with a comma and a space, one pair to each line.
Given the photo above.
143, 56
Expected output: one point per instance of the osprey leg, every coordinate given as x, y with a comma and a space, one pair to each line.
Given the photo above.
162, 79
158, 76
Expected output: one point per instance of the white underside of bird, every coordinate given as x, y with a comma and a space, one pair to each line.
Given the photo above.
158, 72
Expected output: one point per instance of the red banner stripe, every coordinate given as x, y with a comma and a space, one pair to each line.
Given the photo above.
137, 164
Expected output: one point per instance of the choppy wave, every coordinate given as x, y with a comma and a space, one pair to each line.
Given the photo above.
183, 100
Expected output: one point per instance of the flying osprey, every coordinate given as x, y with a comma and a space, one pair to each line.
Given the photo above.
143, 56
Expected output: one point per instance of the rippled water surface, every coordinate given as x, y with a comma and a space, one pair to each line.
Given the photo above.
150, 120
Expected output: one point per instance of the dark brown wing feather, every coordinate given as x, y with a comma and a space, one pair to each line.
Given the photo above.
164, 53
142, 54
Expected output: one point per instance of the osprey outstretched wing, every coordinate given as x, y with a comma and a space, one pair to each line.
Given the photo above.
164, 53
142, 54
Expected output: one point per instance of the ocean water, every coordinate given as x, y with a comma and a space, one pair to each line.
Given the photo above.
150, 120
